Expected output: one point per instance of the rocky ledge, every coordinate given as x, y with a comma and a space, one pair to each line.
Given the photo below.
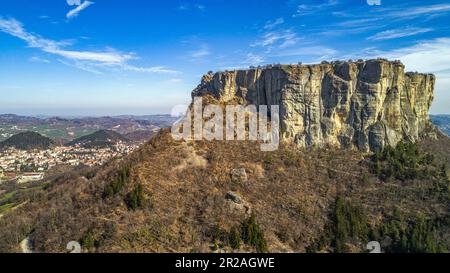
364, 105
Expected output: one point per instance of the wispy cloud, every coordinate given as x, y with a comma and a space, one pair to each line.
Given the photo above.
201, 7
37, 59
248, 60
277, 42
430, 56
253, 59
155, 69
185, 7
359, 17
398, 33
330, 32
110, 57
74, 12
322, 52
201, 52
418, 11
277, 39
309, 9
358, 20
272, 24
86, 60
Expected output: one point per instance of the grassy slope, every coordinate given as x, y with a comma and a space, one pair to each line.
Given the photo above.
292, 192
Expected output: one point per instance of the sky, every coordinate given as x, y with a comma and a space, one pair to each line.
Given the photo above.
113, 57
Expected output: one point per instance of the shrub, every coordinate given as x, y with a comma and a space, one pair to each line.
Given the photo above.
87, 240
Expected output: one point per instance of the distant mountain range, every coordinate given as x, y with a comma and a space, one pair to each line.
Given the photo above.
35, 141
67, 129
27, 141
442, 122
100, 139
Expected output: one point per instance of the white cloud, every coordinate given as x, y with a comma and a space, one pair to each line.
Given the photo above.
419, 11
305, 9
37, 59
272, 24
15, 28
155, 69
395, 13
358, 22
74, 12
86, 60
321, 51
203, 51
185, 7
431, 56
112, 58
82, 66
277, 39
398, 33
253, 59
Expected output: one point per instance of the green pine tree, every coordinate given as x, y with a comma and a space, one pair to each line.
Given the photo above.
136, 199
235, 238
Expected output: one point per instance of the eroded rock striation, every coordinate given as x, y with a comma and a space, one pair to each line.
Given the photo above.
364, 105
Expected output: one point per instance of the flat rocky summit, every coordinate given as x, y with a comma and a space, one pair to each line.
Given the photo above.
364, 105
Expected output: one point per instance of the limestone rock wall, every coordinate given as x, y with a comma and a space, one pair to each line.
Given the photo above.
364, 105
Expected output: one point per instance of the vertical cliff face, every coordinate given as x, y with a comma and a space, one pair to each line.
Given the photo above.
364, 105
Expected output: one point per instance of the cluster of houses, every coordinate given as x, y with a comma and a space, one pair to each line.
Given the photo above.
28, 166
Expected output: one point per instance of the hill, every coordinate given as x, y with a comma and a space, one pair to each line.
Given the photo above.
194, 197
140, 136
71, 128
27, 141
99, 139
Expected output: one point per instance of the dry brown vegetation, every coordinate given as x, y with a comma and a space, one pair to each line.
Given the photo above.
291, 192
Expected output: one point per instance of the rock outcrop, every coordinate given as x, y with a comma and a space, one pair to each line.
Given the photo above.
364, 105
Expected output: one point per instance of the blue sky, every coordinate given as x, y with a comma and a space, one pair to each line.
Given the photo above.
109, 57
